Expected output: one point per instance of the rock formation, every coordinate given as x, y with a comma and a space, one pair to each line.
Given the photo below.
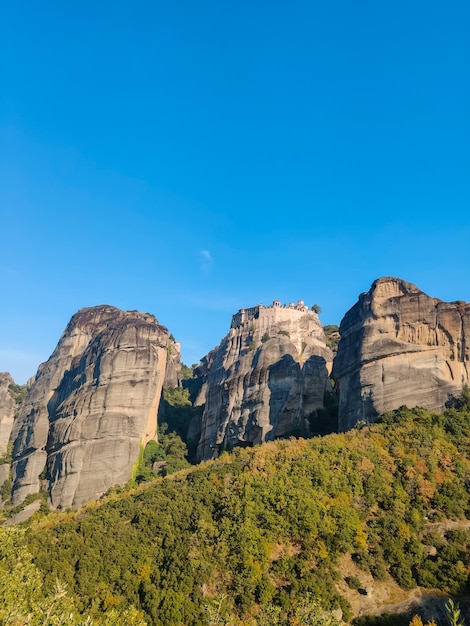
7, 410
267, 378
7, 416
91, 406
400, 347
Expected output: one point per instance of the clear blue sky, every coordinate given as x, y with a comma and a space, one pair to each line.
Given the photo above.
192, 158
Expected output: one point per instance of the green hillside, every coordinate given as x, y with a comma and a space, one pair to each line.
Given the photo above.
257, 536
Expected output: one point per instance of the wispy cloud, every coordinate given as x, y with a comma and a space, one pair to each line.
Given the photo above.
206, 261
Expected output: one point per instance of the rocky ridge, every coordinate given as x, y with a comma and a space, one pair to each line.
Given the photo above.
93, 404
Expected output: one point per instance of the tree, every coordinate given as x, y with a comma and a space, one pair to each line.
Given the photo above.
23, 599
453, 614
316, 308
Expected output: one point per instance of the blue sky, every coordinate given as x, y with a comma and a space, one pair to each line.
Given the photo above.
192, 158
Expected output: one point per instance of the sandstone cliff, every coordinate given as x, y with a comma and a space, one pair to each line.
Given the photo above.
267, 378
7, 415
400, 347
91, 406
7, 411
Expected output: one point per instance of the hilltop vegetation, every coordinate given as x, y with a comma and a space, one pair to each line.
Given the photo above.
254, 533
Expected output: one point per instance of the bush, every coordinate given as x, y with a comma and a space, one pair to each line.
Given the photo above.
353, 582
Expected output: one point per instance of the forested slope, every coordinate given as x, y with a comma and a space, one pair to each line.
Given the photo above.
259, 530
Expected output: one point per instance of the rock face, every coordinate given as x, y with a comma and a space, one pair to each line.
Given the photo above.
7, 411
266, 379
91, 406
400, 347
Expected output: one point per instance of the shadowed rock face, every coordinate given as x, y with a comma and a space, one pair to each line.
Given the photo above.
267, 377
91, 406
400, 347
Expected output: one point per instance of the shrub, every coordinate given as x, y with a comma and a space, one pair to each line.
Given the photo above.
353, 582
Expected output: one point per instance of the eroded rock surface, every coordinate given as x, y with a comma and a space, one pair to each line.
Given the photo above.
399, 347
91, 406
267, 379
7, 411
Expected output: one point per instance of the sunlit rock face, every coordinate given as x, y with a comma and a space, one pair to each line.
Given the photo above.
92, 405
267, 378
7, 416
400, 347
7, 411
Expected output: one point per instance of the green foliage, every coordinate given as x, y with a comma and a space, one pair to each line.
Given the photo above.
264, 528
17, 392
332, 336
453, 614
170, 450
353, 582
186, 372
316, 308
265, 337
176, 412
7, 457
176, 396
153, 451
5, 489
303, 611
465, 398
176, 409
24, 600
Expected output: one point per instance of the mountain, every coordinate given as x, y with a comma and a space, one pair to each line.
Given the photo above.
356, 522
400, 346
92, 406
7, 414
268, 378
301, 529
7, 410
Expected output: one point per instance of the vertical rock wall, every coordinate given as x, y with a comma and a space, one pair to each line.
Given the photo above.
7, 415
91, 406
400, 347
266, 379
7, 411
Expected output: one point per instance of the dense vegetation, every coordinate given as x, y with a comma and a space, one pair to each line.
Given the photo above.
17, 392
247, 538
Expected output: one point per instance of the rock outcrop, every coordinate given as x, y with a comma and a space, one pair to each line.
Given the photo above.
400, 347
7, 411
267, 379
7, 415
91, 406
